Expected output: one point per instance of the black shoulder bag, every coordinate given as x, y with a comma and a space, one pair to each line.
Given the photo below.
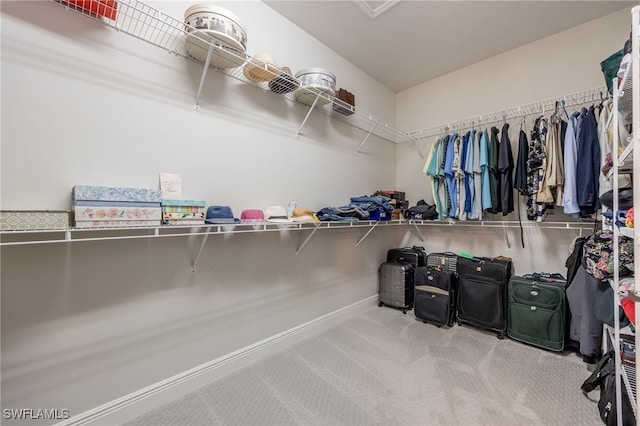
604, 377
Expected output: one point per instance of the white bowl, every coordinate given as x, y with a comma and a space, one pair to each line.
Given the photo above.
314, 81
209, 24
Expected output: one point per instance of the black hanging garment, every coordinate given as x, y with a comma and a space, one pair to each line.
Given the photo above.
505, 168
494, 174
520, 180
588, 167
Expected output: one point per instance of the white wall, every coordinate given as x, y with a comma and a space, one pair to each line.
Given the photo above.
86, 323
557, 65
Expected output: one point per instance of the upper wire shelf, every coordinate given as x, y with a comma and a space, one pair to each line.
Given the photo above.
543, 107
141, 21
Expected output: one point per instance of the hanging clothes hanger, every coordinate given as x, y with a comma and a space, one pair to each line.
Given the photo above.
523, 123
564, 108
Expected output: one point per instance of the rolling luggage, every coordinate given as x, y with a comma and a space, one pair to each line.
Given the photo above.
482, 292
395, 285
414, 255
434, 295
445, 261
536, 313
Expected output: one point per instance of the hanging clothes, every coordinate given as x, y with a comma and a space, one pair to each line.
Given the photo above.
476, 209
450, 176
444, 191
484, 166
570, 196
462, 190
468, 175
505, 169
553, 179
588, 168
536, 204
494, 174
431, 170
520, 180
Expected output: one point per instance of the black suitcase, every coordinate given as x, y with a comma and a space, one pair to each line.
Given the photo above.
414, 255
482, 292
434, 295
536, 313
444, 261
395, 285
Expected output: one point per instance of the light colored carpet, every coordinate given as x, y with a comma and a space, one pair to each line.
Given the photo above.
386, 368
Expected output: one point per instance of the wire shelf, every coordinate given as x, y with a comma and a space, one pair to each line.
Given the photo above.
533, 109
629, 378
141, 21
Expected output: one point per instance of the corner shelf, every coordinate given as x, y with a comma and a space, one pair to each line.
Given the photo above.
150, 25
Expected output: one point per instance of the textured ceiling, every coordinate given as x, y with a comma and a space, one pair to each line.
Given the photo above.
404, 43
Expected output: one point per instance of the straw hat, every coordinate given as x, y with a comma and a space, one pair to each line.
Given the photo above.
262, 67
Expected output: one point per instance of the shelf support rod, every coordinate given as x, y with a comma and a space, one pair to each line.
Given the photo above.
415, 140
506, 236
204, 75
304, 243
367, 234
368, 134
204, 240
418, 231
313, 105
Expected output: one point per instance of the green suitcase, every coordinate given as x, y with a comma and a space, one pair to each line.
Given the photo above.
536, 310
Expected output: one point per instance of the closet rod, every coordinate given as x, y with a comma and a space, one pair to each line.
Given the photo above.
535, 108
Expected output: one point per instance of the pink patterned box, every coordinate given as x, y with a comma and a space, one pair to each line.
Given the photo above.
116, 216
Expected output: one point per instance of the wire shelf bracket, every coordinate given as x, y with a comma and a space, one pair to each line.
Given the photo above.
306, 117
367, 136
197, 257
367, 233
205, 70
306, 240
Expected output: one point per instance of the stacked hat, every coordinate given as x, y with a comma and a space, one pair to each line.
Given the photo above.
277, 214
262, 67
304, 215
252, 215
220, 214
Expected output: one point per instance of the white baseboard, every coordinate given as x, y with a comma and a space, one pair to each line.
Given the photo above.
136, 403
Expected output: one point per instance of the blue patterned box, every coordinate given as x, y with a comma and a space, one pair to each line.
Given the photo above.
108, 193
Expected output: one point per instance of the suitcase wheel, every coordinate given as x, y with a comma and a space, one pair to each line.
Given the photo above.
404, 311
380, 304
500, 336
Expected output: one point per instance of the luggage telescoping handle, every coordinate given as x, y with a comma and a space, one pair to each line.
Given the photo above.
448, 253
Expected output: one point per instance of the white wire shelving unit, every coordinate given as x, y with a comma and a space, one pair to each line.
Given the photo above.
632, 93
143, 22
626, 109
